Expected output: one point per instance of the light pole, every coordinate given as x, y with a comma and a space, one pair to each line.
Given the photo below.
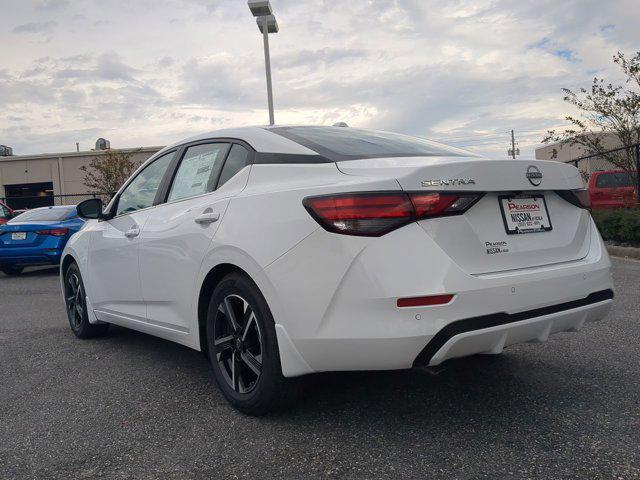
261, 9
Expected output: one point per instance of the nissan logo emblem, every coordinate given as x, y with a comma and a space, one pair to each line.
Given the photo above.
534, 175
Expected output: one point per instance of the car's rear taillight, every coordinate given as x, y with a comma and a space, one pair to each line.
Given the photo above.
579, 198
374, 214
368, 214
441, 204
55, 232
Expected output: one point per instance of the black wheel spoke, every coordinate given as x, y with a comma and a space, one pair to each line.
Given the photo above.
230, 314
248, 323
224, 342
251, 362
235, 371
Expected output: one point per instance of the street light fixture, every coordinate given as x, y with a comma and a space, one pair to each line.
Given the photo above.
261, 9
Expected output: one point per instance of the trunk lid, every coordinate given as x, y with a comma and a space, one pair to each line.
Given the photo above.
478, 240
24, 234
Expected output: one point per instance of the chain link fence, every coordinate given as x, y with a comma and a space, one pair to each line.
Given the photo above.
26, 202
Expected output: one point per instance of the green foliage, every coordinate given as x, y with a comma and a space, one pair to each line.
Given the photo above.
606, 110
107, 173
620, 225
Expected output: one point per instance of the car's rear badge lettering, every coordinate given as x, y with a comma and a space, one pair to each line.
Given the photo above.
445, 182
496, 247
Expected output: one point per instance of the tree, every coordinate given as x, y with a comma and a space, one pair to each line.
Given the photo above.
107, 173
606, 110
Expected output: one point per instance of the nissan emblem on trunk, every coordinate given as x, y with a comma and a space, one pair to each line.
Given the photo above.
534, 175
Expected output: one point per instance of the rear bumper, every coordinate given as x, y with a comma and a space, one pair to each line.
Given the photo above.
492, 333
47, 252
32, 258
344, 315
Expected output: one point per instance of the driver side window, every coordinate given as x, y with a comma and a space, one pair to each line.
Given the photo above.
141, 192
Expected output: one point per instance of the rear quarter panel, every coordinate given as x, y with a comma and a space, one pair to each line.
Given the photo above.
268, 219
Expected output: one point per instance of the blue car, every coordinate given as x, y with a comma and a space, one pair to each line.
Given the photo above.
36, 237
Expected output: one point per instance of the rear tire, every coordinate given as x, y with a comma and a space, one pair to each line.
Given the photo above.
243, 348
11, 270
76, 303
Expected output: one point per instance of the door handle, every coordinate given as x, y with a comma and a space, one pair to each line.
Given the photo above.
207, 218
132, 232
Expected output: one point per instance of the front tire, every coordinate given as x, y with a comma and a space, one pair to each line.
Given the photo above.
243, 348
11, 269
76, 302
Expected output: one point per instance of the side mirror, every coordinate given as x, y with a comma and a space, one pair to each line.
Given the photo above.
90, 209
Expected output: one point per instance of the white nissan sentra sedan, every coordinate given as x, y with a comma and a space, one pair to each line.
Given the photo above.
288, 250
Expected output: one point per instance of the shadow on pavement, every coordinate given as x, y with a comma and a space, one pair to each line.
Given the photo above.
480, 392
48, 271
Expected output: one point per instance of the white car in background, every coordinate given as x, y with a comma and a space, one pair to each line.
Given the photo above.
284, 251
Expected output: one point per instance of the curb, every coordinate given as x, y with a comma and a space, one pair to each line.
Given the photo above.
624, 252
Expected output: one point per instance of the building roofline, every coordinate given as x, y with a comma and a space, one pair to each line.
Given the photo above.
568, 141
46, 156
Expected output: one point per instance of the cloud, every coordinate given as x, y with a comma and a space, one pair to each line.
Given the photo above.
52, 5
464, 71
165, 61
107, 66
35, 27
220, 81
316, 58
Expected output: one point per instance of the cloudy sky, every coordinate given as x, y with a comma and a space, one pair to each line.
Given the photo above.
149, 72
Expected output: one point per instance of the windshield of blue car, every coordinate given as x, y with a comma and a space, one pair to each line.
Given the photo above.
344, 143
45, 215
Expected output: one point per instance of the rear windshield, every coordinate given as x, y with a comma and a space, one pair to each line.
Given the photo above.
345, 143
614, 180
44, 215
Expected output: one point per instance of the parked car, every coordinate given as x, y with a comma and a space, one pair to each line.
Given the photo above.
284, 251
6, 213
36, 237
612, 189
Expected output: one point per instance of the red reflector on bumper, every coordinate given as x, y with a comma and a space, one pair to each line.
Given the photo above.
424, 301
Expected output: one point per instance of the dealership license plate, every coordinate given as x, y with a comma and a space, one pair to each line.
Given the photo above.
525, 214
19, 236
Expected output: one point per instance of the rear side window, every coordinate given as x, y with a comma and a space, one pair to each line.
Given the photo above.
344, 143
198, 170
141, 192
614, 180
4, 211
236, 161
44, 215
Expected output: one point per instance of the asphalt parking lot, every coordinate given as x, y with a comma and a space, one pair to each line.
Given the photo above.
133, 406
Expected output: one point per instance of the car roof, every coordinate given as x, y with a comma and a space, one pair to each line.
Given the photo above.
263, 140
258, 137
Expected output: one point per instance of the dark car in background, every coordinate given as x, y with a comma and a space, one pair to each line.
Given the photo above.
612, 189
36, 237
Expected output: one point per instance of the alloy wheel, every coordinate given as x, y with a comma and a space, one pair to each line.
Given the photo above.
238, 343
75, 306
